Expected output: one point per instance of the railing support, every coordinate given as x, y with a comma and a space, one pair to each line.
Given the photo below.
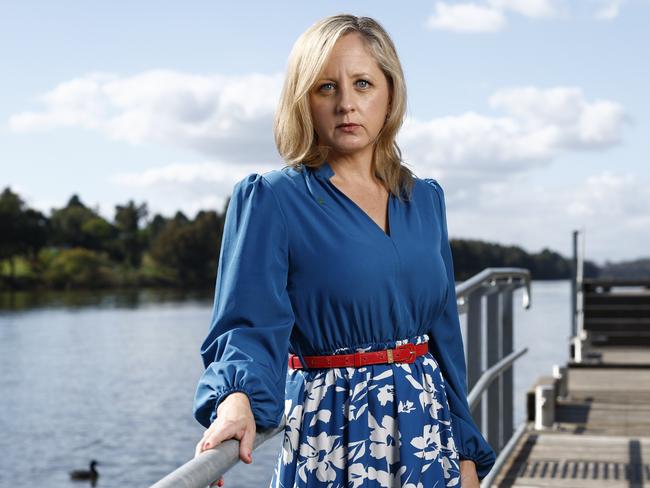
493, 341
507, 341
474, 348
544, 406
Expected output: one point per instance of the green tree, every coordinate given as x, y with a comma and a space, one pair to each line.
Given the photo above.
79, 268
23, 231
190, 248
76, 225
11, 211
472, 256
34, 232
127, 220
154, 227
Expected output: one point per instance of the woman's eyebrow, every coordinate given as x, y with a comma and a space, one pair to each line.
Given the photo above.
355, 75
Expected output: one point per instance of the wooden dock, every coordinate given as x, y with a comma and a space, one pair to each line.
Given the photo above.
600, 437
600, 432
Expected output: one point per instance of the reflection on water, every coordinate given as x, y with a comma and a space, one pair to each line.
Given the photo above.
127, 298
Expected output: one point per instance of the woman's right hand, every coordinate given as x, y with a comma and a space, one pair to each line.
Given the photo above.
234, 420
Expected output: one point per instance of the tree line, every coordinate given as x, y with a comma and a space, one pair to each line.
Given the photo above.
75, 247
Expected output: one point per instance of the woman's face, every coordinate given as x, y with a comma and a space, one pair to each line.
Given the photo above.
351, 89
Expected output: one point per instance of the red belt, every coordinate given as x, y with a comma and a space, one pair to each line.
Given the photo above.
401, 354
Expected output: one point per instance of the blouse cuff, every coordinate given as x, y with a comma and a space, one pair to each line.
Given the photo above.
472, 445
264, 393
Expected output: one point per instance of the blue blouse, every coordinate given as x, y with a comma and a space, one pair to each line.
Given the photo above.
304, 269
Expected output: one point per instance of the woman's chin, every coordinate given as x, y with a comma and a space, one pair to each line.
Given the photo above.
350, 148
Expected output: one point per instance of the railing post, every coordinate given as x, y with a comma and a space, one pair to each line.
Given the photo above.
494, 354
561, 374
544, 406
474, 348
507, 346
574, 291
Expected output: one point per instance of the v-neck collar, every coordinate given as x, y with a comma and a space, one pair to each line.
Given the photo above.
325, 172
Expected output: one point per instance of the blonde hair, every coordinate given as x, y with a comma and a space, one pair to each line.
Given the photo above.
293, 126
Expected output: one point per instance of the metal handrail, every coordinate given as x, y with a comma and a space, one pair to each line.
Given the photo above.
490, 277
490, 374
504, 455
212, 463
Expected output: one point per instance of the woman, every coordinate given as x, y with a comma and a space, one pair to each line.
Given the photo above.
341, 258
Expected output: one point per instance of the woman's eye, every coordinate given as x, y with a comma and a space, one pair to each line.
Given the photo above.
324, 85
364, 81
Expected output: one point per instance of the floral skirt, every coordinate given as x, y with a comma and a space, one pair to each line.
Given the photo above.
382, 425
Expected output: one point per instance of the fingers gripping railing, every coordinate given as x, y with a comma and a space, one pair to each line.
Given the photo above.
498, 286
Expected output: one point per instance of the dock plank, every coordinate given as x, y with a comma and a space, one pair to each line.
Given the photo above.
622, 355
600, 438
558, 459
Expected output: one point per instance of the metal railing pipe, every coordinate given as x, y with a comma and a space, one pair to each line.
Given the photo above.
492, 276
503, 455
211, 464
490, 374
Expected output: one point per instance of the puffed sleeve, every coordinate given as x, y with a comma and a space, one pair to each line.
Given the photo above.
447, 348
247, 344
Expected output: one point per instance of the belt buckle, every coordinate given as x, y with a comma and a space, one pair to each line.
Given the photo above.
389, 356
410, 347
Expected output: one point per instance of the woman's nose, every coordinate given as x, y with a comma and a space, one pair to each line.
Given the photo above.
346, 100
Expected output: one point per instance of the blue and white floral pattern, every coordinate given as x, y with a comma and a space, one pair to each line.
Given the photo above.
383, 425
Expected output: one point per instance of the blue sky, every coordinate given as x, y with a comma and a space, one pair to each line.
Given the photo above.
534, 115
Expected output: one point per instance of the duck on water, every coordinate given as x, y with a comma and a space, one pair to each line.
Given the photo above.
83, 474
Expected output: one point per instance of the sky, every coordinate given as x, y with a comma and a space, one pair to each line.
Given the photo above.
533, 115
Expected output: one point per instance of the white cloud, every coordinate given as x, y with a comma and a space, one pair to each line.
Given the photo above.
609, 10
529, 8
180, 173
212, 114
611, 208
189, 187
489, 16
576, 122
466, 17
612, 195
537, 126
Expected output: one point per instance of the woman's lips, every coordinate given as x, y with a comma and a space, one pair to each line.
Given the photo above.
348, 127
